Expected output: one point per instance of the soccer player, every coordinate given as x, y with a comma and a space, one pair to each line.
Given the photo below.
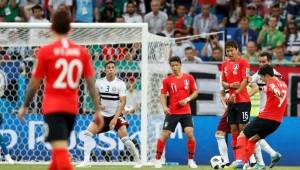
235, 73
181, 89
258, 85
3, 147
60, 64
267, 121
113, 100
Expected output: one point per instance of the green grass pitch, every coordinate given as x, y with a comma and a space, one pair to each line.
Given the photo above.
44, 167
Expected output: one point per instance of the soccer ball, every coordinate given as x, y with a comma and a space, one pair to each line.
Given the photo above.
216, 162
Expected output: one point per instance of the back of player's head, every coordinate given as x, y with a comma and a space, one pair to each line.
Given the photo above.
174, 59
231, 44
266, 54
109, 62
266, 69
61, 20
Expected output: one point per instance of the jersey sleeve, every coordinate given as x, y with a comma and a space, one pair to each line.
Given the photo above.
123, 90
193, 85
164, 89
88, 70
222, 72
39, 70
255, 78
245, 69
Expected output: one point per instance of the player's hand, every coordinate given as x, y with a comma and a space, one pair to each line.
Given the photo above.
113, 123
21, 113
183, 102
235, 85
232, 98
166, 110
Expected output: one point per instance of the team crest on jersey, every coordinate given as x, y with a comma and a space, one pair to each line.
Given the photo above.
235, 69
186, 84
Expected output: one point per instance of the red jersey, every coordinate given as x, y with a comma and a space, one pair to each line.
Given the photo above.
62, 63
236, 71
275, 109
179, 89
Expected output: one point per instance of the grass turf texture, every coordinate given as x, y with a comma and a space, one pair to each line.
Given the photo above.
44, 167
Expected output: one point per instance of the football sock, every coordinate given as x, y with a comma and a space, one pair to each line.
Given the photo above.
3, 146
258, 155
241, 148
159, 148
223, 149
131, 148
252, 159
88, 145
234, 144
250, 149
191, 148
266, 147
62, 159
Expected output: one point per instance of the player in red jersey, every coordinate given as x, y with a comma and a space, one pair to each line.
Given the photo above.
60, 64
235, 73
267, 121
181, 89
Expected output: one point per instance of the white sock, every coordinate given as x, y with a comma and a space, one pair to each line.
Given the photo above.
222, 148
88, 145
266, 147
258, 155
252, 159
131, 148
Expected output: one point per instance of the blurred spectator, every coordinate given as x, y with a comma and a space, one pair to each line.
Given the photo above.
235, 12
10, 10
244, 34
296, 59
108, 13
292, 39
110, 52
210, 2
37, 14
186, 3
131, 16
166, 7
183, 22
261, 7
255, 21
251, 53
54, 5
133, 100
2, 19
139, 5
190, 57
180, 45
269, 37
217, 54
222, 7
127, 63
278, 53
276, 11
120, 19
85, 11
204, 21
156, 19
212, 41
169, 29
119, 4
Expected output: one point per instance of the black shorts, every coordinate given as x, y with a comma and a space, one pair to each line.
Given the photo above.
239, 113
58, 126
262, 127
171, 121
120, 122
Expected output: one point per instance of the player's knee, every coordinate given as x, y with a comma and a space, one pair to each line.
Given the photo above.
220, 135
88, 133
125, 139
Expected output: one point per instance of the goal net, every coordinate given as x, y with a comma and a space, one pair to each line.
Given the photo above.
142, 63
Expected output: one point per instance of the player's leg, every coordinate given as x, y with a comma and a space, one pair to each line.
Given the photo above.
233, 122
275, 156
260, 164
5, 151
186, 122
96, 126
58, 129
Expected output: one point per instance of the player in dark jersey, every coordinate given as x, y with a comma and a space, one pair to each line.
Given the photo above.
61, 64
181, 89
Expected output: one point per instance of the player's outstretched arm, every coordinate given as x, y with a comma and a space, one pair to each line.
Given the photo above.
33, 86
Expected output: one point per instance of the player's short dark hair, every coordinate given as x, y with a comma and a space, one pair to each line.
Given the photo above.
174, 59
188, 48
61, 20
266, 69
109, 62
266, 54
37, 6
231, 44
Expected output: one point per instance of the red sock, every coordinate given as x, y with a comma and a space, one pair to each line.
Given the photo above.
250, 149
241, 148
234, 143
159, 148
191, 148
52, 165
62, 159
